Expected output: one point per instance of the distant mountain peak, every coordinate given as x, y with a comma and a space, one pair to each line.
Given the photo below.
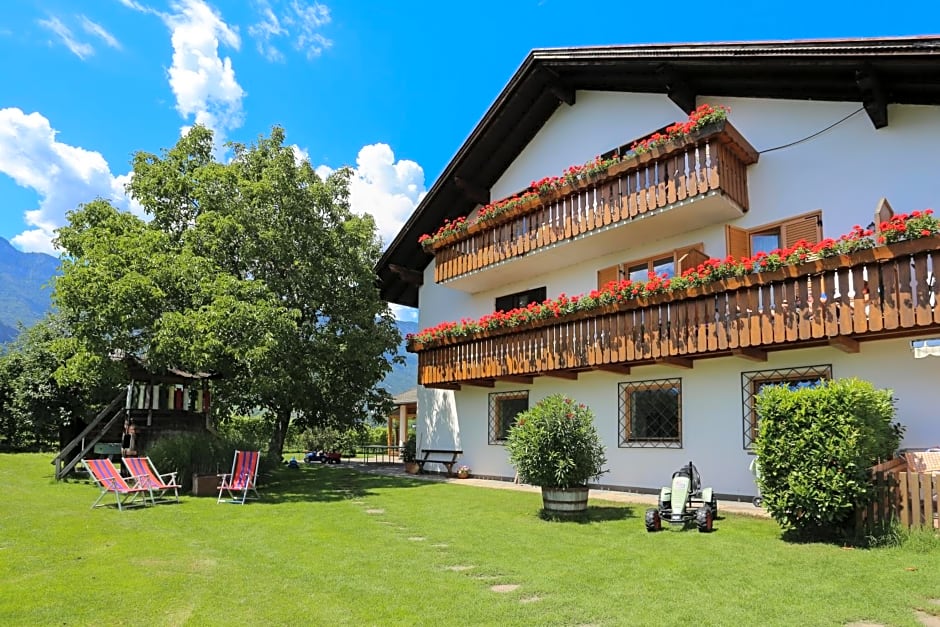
24, 287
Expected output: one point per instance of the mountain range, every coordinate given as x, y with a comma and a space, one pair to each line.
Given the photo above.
25, 290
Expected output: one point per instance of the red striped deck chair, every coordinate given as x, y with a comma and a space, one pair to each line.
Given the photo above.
148, 477
109, 480
241, 480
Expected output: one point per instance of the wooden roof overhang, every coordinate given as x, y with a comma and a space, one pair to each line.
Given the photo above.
139, 371
872, 72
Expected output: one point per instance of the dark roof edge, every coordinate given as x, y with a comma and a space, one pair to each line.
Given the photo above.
881, 47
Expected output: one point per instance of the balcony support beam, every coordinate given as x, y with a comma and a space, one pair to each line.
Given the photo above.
482, 383
677, 88
518, 378
845, 344
407, 274
472, 191
753, 354
676, 362
615, 368
554, 86
561, 374
873, 96
442, 386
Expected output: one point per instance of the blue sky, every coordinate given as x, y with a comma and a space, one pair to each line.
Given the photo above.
391, 88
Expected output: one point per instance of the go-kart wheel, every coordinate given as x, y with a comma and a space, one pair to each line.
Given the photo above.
704, 518
653, 520
758, 501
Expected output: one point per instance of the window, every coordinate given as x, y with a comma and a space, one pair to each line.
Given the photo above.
651, 413
753, 382
520, 299
749, 242
670, 264
504, 407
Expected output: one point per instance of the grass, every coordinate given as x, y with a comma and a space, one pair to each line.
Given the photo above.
328, 544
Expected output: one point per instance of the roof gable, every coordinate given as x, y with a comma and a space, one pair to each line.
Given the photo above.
874, 72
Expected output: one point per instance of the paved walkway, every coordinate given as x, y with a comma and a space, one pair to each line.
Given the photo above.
735, 507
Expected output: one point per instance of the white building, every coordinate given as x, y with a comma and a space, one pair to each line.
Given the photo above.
822, 130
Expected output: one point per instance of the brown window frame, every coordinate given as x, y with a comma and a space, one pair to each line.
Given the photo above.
534, 295
790, 230
753, 381
620, 271
625, 438
497, 434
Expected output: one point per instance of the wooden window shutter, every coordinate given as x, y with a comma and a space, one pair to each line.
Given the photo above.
808, 227
606, 275
689, 258
739, 242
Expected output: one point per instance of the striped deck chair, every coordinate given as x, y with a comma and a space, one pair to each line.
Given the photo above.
148, 477
108, 479
241, 480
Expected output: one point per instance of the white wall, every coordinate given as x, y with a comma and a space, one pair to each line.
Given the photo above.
843, 172
712, 414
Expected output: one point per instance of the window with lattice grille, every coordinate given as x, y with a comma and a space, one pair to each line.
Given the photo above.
753, 382
504, 407
651, 413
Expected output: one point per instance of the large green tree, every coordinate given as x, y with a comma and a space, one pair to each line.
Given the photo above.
254, 268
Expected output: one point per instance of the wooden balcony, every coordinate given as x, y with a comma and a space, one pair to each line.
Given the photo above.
888, 291
676, 188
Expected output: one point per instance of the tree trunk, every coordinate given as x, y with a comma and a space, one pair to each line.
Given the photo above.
279, 436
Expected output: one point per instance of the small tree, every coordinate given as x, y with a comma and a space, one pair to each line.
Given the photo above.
555, 445
815, 446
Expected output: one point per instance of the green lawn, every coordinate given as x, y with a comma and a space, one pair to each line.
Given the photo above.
329, 545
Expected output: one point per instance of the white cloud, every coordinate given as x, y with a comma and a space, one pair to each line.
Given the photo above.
408, 314
203, 82
79, 49
93, 28
63, 176
389, 190
267, 29
299, 22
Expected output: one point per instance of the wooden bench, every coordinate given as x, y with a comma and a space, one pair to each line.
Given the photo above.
446, 457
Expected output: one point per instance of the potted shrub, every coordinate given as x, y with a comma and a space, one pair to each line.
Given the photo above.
555, 446
409, 454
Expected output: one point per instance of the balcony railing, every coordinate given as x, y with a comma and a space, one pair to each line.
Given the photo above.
710, 165
887, 291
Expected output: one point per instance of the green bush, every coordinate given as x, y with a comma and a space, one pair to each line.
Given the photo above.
203, 453
815, 446
253, 431
555, 444
409, 452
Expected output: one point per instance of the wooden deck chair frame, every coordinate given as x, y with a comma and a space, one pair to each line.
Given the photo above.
109, 480
241, 480
148, 477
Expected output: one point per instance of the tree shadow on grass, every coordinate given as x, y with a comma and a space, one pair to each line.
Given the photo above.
326, 484
594, 514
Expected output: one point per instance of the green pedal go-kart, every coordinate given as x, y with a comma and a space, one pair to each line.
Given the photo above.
683, 502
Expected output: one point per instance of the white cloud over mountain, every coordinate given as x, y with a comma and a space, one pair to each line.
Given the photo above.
63, 176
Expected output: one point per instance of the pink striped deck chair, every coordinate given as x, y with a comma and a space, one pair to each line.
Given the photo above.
242, 479
147, 476
108, 479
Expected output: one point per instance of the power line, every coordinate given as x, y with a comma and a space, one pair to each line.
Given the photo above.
816, 134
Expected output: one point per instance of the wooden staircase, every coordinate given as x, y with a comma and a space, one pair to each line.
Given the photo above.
107, 422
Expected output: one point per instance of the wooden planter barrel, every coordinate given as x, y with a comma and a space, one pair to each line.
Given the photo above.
565, 500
